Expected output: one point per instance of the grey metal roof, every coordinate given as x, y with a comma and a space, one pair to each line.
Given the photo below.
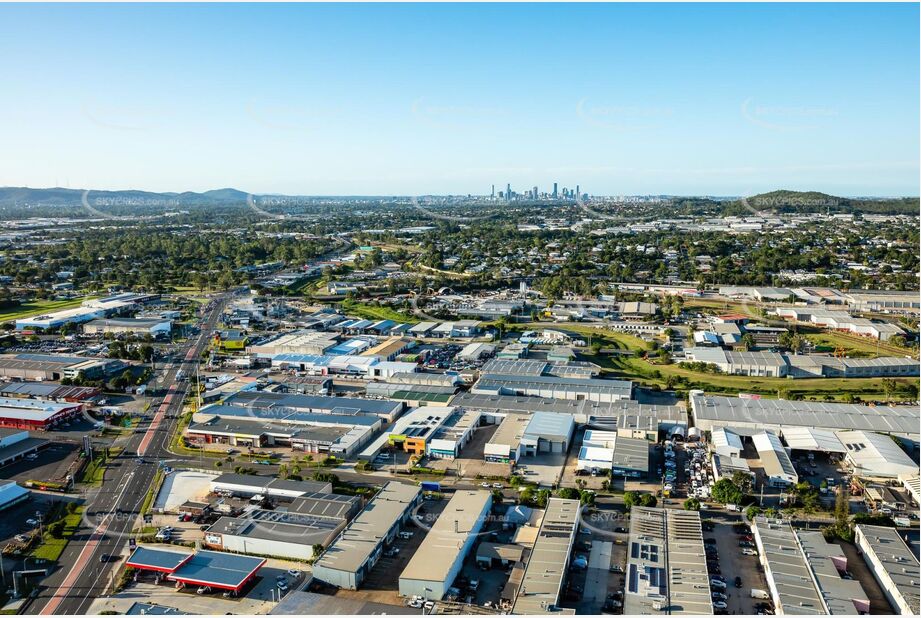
543, 577
781, 412
306, 403
666, 563
439, 552
366, 532
489, 381
631, 454
896, 559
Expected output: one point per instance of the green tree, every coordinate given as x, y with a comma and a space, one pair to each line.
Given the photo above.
727, 492
568, 493
752, 512
692, 504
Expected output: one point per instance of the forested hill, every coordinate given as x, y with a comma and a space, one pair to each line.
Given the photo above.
783, 201
58, 201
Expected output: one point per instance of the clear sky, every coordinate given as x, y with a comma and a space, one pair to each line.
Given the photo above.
416, 99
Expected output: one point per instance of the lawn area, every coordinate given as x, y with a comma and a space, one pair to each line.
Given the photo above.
51, 547
859, 347
374, 312
39, 307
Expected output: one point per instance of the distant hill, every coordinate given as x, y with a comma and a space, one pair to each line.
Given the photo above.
784, 201
21, 196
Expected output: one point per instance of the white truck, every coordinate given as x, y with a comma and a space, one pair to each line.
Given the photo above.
760, 594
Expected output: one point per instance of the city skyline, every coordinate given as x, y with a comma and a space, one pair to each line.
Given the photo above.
421, 99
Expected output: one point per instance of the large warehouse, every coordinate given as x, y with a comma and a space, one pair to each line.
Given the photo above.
803, 571
874, 455
893, 564
749, 415
552, 387
54, 367
318, 404
354, 553
155, 327
439, 558
666, 563
548, 563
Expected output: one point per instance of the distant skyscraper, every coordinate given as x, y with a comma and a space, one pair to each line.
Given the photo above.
554, 190
578, 193
508, 191
493, 194
534, 194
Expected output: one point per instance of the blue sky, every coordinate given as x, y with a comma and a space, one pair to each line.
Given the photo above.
416, 99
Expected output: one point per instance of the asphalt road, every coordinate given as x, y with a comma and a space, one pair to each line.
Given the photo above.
112, 512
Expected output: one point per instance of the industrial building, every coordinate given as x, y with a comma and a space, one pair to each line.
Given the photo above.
155, 327
267, 533
629, 418
776, 365
301, 342
248, 485
289, 531
840, 320
12, 494
726, 442
609, 450
349, 559
873, 455
548, 563
893, 564
551, 368
666, 564
414, 395
36, 414
760, 364
454, 434
337, 440
412, 432
386, 410
439, 558
55, 367
552, 387
547, 433
16, 444
505, 444
389, 348
48, 391
778, 469
89, 310
804, 572
750, 415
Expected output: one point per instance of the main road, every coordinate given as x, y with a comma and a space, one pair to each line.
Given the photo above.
87, 565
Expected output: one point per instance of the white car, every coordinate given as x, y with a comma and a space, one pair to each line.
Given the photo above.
720, 605
486, 485
748, 551
498, 486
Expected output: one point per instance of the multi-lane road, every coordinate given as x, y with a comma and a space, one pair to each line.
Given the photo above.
88, 565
